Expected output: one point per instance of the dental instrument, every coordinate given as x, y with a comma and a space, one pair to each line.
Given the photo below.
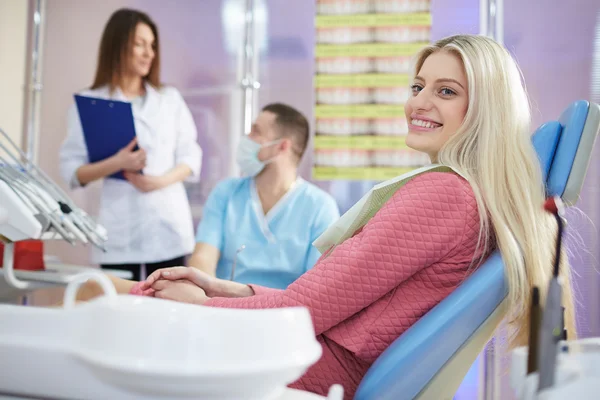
238, 251
535, 314
551, 329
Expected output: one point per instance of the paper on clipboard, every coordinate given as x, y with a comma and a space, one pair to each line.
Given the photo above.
107, 126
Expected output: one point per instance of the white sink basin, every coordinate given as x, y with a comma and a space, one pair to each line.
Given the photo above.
138, 347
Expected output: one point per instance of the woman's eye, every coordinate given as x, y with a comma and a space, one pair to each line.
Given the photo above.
447, 92
416, 88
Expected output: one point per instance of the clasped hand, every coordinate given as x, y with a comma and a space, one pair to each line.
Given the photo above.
190, 285
183, 284
145, 183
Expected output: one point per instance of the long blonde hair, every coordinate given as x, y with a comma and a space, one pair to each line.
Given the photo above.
494, 152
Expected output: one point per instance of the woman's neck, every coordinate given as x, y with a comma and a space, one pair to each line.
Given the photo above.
132, 86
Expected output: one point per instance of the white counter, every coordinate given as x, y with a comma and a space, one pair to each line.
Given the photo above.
68, 268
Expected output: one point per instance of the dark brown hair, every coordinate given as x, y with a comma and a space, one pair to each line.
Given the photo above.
291, 123
115, 46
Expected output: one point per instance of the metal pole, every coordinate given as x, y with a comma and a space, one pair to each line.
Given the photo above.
492, 19
491, 389
491, 23
483, 17
499, 17
35, 84
248, 83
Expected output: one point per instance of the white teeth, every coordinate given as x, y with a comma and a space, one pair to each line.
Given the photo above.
424, 124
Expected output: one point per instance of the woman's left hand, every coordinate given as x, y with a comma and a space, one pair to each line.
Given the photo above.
146, 183
182, 291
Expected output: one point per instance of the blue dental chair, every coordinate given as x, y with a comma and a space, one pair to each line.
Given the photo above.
430, 360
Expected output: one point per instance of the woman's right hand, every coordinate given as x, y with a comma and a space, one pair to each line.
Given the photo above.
126, 159
213, 287
129, 160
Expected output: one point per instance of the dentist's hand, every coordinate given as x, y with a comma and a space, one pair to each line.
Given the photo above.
213, 287
146, 183
129, 160
182, 291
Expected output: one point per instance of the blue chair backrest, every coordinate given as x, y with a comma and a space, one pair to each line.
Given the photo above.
412, 361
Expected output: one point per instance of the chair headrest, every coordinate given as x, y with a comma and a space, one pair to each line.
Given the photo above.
545, 140
564, 148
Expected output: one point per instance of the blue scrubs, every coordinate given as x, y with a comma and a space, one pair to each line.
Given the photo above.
277, 247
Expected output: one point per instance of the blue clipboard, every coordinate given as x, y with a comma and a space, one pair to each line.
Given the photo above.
107, 127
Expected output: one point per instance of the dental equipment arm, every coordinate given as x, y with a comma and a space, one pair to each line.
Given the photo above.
50, 201
32, 206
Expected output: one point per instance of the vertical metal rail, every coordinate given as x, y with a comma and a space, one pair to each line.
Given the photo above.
34, 84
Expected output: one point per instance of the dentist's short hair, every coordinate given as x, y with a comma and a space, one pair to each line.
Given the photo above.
292, 124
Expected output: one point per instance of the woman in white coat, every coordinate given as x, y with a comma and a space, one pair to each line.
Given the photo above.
147, 216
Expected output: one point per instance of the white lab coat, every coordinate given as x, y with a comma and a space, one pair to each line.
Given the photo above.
143, 227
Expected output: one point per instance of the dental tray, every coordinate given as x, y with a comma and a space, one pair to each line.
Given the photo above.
129, 347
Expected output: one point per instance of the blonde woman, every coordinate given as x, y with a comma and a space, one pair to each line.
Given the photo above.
468, 111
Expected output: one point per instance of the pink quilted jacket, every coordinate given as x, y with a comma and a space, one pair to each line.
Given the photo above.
368, 290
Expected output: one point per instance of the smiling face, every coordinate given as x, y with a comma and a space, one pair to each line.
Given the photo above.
438, 104
142, 51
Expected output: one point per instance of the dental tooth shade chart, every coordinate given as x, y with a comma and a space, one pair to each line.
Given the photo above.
364, 53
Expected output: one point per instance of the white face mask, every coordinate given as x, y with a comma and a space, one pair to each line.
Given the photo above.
247, 156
